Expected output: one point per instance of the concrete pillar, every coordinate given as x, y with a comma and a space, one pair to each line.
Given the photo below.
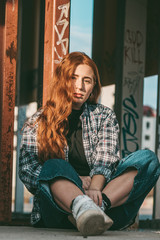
133, 75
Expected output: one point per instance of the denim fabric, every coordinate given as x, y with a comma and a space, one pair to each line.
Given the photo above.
52, 214
148, 166
145, 161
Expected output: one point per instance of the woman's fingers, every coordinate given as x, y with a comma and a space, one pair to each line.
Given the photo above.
95, 195
100, 199
86, 181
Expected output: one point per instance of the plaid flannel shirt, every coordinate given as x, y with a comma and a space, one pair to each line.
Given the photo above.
100, 134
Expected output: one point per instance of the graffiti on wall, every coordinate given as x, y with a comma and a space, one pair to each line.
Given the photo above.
13, 5
129, 129
132, 48
132, 79
61, 27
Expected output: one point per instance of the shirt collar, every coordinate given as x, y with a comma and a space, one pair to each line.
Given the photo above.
85, 110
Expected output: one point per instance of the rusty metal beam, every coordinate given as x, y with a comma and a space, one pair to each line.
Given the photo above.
56, 39
8, 49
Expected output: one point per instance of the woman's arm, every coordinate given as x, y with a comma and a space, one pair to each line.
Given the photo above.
29, 166
29, 170
106, 153
95, 189
97, 182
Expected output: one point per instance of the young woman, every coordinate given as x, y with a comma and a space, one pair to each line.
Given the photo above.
70, 162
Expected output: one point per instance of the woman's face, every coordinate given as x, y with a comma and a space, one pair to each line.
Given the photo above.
83, 84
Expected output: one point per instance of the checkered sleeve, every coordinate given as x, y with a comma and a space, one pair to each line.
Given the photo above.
106, 153
29, 167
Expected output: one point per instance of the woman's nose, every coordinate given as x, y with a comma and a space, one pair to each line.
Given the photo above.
79, 83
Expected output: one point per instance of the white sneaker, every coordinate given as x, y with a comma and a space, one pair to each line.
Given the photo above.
90, 219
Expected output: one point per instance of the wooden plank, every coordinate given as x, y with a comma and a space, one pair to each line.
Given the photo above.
56, 39
8, 50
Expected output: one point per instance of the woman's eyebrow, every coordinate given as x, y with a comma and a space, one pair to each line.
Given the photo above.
87, 77
76, 75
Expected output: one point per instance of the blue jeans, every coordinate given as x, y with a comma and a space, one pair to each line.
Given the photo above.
145, 161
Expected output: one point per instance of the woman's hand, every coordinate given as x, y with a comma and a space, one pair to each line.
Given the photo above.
95, 195
86, 182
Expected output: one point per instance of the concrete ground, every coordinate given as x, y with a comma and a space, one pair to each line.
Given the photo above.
27, 233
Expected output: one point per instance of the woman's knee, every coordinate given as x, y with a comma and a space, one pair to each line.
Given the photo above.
149, 165
145, 156
145, 161
50, 163
54, 168
150, 156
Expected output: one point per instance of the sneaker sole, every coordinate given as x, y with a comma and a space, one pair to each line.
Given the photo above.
91, 223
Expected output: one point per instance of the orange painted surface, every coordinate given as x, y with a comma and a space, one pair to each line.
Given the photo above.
56, 39
8, 50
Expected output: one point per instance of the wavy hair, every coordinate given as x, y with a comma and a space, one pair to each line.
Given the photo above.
53, 121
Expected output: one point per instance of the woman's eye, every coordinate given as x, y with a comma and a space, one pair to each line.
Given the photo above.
87, 81
73, 77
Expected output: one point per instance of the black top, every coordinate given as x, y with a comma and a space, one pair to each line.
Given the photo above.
74, 138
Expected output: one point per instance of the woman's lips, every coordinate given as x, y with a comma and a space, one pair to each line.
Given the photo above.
78, 95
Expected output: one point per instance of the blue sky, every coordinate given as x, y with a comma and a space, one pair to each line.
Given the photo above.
81, 26
81, 40
150, 91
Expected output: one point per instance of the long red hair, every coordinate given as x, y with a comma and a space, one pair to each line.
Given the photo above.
53, 121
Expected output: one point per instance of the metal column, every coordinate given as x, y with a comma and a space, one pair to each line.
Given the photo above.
156, 206
56, 40
8, 50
